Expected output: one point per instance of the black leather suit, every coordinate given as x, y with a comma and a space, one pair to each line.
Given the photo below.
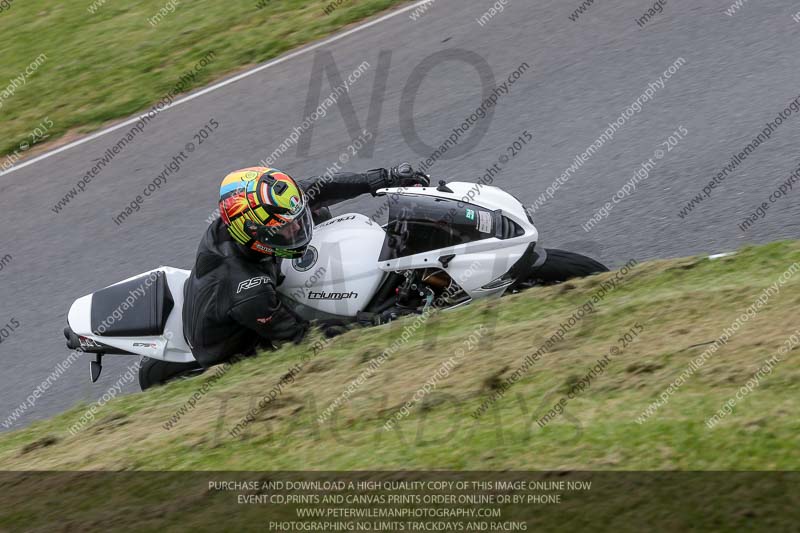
231, 304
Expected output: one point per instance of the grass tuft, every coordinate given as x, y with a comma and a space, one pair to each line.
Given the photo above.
681, 310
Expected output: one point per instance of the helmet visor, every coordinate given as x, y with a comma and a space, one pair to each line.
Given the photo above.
291, 235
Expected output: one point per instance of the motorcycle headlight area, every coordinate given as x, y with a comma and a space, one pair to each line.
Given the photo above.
419, 224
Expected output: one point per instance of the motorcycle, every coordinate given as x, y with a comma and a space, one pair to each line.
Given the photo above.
442, 248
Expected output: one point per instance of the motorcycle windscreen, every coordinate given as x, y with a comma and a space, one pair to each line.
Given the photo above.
419, 224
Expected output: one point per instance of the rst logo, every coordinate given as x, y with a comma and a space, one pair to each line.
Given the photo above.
252, 282
322, 295
144, 345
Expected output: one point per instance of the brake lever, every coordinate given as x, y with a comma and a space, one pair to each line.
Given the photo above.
427, 177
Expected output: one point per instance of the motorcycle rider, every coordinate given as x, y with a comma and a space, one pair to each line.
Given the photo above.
231, 306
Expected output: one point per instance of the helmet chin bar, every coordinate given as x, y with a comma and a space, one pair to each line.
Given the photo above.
287, 240
283, 253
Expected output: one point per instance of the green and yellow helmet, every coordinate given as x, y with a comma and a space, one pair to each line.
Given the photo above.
265, 210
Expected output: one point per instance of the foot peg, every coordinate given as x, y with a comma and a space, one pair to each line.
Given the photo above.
95, 367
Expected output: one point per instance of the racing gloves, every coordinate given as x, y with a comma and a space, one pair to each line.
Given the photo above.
400, 176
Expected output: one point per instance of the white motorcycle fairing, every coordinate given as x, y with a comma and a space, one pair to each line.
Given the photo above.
477, 264
347, 260
98, 320
338, 275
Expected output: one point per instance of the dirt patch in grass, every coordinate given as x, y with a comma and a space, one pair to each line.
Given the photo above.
680, 310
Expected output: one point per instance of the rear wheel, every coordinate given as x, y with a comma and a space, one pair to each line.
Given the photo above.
561, 266
153, 372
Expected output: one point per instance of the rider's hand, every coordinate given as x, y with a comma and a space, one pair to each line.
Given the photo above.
404, 176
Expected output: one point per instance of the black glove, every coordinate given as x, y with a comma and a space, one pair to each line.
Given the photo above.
400, 176
404, 176
333, 328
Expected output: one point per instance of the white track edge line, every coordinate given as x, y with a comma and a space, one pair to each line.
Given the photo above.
218, 85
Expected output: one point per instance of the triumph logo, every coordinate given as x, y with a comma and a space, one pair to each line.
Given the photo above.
331, 295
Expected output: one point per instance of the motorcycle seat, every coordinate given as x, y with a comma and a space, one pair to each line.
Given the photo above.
136, 308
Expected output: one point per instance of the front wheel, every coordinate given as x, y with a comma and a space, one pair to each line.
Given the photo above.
561, 266
153, 372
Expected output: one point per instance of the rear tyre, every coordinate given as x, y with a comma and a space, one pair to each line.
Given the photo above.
561, 266
153, 372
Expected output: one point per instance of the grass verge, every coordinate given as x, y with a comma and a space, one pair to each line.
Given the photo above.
681, 306
104, 59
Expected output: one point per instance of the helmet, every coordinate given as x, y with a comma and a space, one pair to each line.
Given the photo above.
266, 211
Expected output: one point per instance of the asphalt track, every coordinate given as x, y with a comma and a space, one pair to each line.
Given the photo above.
740, 71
